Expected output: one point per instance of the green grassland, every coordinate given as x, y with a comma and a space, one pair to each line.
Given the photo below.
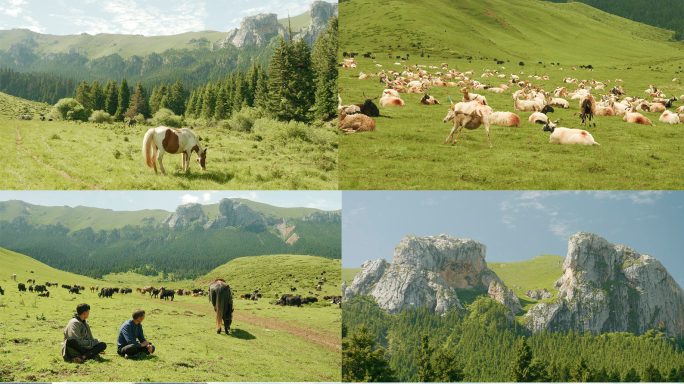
407, 151
73, 155
270, 343
348, 275
296, 22
538, 273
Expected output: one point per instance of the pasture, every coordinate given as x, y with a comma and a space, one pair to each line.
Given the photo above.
269, 342
407, 150
58, 155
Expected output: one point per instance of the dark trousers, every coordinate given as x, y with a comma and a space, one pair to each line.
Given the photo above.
89, 353
132, 349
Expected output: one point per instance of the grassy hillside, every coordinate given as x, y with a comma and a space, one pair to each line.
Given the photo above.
348, 274
296, 22
568, 33
11, 107
289, 343
538, 273
268, 274
104, 44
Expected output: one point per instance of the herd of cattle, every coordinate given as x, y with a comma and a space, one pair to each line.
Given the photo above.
166, 294
474, 111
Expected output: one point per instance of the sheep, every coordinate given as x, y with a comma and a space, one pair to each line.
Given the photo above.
651, 107
428, 100
557, 102
619, 109
504, 119
561, 92
355, 123
604, 111
528, 105
416, 89
671, 118
637, 118
496, 90
567, 136
472, 96
470, 115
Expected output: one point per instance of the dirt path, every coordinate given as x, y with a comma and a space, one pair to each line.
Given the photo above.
312, 335
68, 176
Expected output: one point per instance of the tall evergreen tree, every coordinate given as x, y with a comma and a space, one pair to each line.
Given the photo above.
279, 70
446, 368
238, 93
324, 60
520, 367
97, 96
177, 98
139, 103
361, 363
209, 101
614, 376
156, 97
112, 97
631, 376
302, 88
123, 100
83, 95
220, 108
652, 374
423, 360
581, 373
191, 104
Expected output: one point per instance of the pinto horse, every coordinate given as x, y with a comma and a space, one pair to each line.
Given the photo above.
165, 139
221, 298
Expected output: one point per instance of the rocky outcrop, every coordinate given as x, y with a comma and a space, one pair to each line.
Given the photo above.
324, 217
237, 214
253, 30
427, 271
610, 288
539, 294
184, 216
319, 14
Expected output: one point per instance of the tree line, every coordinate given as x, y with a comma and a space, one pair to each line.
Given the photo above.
485, 340
150, 250
667, 14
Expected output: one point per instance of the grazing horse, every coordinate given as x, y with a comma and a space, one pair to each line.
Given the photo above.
165, 139
221, 298
132, 122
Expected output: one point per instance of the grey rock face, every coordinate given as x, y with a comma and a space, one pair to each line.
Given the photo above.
319, 12
539, 294
253, 29
426, 270
236, 214
184, 216
610, 288
324, 217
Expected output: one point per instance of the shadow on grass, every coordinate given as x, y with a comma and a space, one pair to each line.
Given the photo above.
241, 334
219, 177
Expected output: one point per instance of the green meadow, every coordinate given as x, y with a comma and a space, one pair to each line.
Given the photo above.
406, 151
61, 155
269, 342
348, 275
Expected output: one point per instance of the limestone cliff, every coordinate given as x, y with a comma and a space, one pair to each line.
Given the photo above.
236, 214
253, 30
319, 14
427, 271
610, 288
184, 216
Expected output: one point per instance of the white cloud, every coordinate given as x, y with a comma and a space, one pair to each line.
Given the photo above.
206, 197
187, 198
507, 219
13, 8
355, 212
641, 197
561, 229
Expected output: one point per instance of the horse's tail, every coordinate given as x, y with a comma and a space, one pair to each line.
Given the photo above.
219, 309
148, 148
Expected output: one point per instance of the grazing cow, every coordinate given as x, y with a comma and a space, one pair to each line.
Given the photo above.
74, 290
92, 289
22, 287
128, 290
39, 288
32, 281
106, 292
3, 292
30, 288
221, 299
166, 293
44, 294
155, 293
293, 289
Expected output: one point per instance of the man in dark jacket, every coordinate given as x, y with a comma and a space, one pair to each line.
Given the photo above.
131, 342
79, 343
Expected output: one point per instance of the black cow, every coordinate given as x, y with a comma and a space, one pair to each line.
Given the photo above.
368, 108
166, 293
128, 290
105, 292
293, 289
22, 287
74, 290
221, 299
2, 292
308, 300
40, 288
116, 290
66, 286
30, 288
155, 293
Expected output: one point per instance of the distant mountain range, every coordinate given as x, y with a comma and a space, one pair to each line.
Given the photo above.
187, 243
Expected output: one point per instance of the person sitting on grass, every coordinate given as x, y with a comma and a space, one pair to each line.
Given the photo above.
130, 332
79, 343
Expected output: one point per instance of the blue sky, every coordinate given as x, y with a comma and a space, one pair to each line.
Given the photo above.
145, 17
169, 200
515, 225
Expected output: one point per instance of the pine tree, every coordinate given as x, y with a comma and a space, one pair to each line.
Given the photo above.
199, 104
302, 88
112, 97
238, 94
278, 72
123, 100
520, 368
554, 372
191, 105
139, 103
581, 373
631, 376
361, 363
83, 95
652, 374
209, 101
220, 108
261, 92
158, 94
324, 59
423, 358
445, 367
165, 103
601, 375
252, 80
673, 377
565, 373
614, 376
177, 98
97, 96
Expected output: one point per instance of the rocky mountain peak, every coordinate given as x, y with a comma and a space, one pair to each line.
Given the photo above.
427, 270
234, 213
610, 288
253, 30
319, 13
324, 217
184, 216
